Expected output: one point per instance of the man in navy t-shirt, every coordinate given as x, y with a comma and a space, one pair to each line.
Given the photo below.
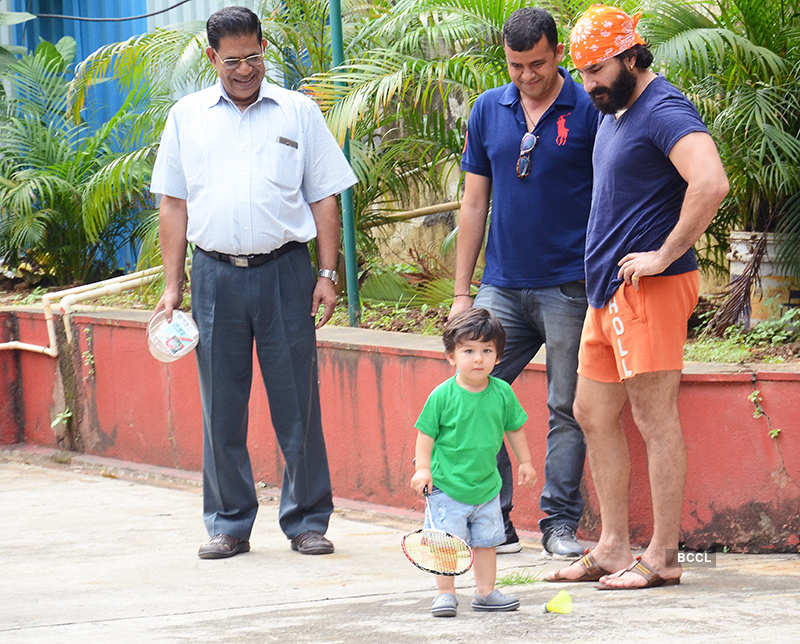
529, 150
658, 182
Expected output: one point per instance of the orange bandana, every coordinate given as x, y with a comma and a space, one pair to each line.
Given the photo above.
602, 32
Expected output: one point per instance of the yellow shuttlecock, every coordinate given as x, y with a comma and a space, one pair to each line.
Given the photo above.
561, 603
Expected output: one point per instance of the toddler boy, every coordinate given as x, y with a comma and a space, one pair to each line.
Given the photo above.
461, 430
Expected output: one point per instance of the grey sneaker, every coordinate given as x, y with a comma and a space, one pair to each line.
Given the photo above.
561, 543
444, 605
509, 547
495, 601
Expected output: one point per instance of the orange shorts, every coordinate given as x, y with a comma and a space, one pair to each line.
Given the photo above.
639, 331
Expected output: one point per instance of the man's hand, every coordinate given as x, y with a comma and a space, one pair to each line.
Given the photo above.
170, 300
696, 159
527, 474
422, 479
324, 294
460, 303
636, 265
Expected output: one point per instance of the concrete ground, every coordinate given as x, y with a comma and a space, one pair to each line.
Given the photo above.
102, 551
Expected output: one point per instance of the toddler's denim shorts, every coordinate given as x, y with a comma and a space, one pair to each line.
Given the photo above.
481, 526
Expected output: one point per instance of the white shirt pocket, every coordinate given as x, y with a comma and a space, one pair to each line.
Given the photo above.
282, 165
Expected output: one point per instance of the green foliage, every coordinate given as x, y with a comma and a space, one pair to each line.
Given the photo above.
396, 316
62, 417
738, 344
425, 59
165, 63
708, 349
171, 62
789, 228
517, 578
756, 398
769, 332
7, 19
437, 292
386, 286
33, 296
413, 68
739, 61
408, 284
69, 197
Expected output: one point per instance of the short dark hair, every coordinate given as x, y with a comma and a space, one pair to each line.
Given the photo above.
525, 27
232, 21
474, 324
642, 53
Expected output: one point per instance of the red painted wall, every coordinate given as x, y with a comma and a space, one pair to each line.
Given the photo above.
743, 487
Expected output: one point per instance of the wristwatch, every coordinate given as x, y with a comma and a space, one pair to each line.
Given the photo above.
331, 274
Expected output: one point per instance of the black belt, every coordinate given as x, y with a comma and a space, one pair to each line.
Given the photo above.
248, 261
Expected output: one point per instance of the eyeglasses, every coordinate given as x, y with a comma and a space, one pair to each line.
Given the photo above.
256, 60
524, 163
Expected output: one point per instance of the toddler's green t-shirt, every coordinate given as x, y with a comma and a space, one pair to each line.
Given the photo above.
468, 429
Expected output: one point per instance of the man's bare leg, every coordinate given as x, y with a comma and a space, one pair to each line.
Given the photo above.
654, 403
597, 408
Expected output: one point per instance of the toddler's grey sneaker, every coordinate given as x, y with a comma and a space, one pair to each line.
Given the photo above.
445, 605
495, 601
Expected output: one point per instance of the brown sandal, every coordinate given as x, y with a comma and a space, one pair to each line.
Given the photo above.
591, 571
652, 579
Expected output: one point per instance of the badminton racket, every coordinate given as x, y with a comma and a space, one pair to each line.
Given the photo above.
437, 551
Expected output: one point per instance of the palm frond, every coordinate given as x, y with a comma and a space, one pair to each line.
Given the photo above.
368, 88
39, 86
705, 51
65, 205
386, 287
171, 57
437, 292
119, 184
788, 228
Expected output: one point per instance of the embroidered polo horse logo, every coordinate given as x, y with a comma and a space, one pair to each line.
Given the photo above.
563, 130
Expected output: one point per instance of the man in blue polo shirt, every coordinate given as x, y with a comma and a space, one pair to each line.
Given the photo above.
529, 150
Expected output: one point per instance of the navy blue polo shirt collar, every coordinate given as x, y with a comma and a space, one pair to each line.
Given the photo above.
565, 98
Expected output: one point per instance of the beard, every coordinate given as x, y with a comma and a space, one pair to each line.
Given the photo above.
616, 96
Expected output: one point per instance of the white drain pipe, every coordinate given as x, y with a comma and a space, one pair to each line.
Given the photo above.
105, 288
71, 295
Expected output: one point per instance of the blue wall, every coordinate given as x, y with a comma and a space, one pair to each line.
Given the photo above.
103, 101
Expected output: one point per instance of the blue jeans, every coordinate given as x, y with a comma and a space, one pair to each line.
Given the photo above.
552, 316
481, 526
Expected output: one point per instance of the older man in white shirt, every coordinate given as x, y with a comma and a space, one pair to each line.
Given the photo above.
249, 173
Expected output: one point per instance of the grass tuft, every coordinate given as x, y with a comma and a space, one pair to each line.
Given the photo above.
517, 578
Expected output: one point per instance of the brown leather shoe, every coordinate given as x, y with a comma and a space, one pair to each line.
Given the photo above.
312, 543
222, 546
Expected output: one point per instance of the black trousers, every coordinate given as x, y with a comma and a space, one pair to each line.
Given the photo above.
269, 304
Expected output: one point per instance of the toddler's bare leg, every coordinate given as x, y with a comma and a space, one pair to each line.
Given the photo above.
485, 568
446, 584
